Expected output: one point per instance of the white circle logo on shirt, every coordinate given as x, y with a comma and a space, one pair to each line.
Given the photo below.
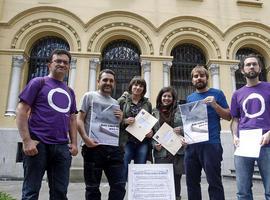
254, 96
55, 107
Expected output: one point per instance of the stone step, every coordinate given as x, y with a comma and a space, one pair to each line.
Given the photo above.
256, 171
232, 176
76, 175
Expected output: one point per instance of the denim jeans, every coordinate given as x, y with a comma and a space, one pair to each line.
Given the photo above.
56, 160
110, 160
136, 151
244, 167
208, 157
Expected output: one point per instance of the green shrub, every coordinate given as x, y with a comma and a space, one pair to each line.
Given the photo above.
5, 196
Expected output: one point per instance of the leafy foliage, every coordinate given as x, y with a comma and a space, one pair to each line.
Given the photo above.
5, 196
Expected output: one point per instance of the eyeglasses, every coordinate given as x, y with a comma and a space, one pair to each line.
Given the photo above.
59, 61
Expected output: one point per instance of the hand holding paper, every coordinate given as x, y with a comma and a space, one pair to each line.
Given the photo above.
168, 138
143, 124
249, 144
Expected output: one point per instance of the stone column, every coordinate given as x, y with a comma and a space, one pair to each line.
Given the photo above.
166, 73
72, 74
146, 65
93, 63
214, 72
233, 69
17, 64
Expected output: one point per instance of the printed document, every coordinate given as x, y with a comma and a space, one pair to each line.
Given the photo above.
249, 145
168, 138
150, 182
104, 126
195, 122
143, 124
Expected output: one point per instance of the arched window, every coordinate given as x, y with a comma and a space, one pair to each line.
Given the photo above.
123, 57
185, 57
240, 54
40, 53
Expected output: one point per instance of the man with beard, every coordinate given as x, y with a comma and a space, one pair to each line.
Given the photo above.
206, 155
101, 157
250, 109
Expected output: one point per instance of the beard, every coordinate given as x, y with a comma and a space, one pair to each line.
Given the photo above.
251, 75
200, 85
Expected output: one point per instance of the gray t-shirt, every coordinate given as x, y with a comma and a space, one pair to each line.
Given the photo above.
86, 104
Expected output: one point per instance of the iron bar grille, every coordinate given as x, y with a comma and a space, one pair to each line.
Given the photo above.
185, 58
40, 53
240, 54
123, 57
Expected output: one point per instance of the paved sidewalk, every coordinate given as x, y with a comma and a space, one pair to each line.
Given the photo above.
76, 190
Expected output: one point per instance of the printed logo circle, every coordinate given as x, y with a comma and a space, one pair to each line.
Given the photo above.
254, 96
55, 107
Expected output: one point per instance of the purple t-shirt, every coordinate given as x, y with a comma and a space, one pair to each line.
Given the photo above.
52, 103
252, 106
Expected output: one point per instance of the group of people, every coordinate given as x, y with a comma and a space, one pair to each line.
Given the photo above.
48, 122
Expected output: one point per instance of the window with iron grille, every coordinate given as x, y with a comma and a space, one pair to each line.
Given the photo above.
39, 56
123, 57
240, 54
185, 58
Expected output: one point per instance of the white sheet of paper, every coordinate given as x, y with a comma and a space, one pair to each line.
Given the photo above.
249, 145
168, 139
150, 182
143, 124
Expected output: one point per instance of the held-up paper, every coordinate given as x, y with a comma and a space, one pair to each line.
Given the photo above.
150, 182
104, 126
249, 145
143, 124
195, 122
168, 138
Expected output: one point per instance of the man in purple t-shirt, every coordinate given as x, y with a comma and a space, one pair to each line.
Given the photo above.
46, 119
250, 109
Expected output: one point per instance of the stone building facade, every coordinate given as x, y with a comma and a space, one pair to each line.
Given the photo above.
159, 40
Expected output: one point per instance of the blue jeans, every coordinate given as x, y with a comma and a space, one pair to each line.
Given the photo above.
109, 159
136, 151
56, 160
208, 157
244, 167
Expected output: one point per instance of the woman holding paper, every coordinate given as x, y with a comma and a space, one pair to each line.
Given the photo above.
131, 103
167, 111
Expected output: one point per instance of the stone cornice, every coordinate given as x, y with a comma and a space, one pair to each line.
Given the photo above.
250, 3
156, 58
12, 52
57, 22
86, 54
222, 62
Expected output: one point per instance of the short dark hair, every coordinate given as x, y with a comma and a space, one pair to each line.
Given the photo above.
242, 62
59, 52
107, 71
161, 92
137, 80
201, 70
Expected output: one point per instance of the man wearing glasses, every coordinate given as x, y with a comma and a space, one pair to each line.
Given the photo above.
250, 109
46, 119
